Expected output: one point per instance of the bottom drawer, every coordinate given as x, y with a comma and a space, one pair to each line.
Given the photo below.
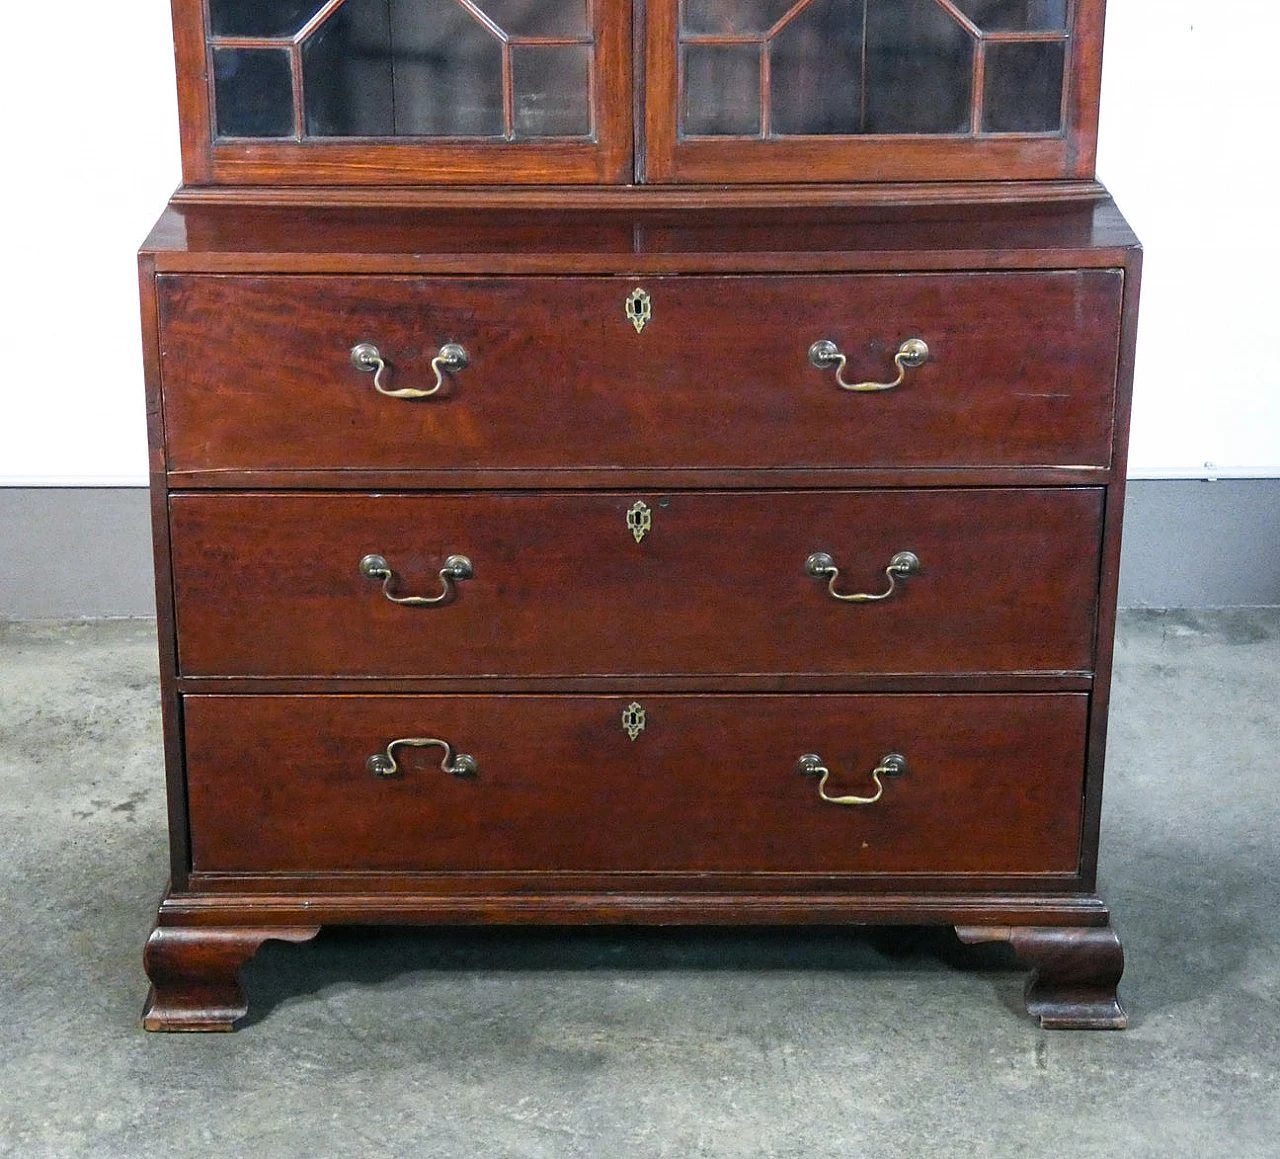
992, 783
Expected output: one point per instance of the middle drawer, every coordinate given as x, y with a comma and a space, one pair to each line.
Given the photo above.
573, 584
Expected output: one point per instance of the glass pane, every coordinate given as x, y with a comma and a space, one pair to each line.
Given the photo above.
448, 71
721, 90
919, 69
727, 17
1022, 92
1016, 15
424, 68
815, 70
411, 68
253, 92
538, 17
551, 87
347, 73
260, 17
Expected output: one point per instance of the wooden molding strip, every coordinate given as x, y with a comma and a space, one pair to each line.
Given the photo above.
645, 196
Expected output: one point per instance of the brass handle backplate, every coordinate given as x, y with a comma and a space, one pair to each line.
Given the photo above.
383, 764
821, 566
891, 765
826, 354
456, 567
366, 357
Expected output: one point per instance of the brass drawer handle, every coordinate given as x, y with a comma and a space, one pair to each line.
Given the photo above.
912, 353
891, 765
821, 566
366, 357
383, 764
456, 567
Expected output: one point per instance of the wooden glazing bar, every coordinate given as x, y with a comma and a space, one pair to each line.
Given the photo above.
959, 17
312, 25
788, 17
299, 101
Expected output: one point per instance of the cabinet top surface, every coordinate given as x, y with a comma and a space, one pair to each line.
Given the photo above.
219, 237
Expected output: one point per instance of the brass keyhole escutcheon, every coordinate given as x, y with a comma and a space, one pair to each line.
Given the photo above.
633, 720
639, 519
638, 308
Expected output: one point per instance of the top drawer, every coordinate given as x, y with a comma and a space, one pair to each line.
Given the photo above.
258, 375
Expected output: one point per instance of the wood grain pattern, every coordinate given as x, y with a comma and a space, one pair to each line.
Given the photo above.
1110, 574
624, 899
630, 231
1076, 973
166, 638
268, 584
899, 195
392, 161
194, 973
275, 467
279, 784
868, 157
1021, 372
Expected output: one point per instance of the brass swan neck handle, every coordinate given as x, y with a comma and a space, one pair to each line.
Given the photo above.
912, 353
820, 565
891, 765
456, 567
366, 358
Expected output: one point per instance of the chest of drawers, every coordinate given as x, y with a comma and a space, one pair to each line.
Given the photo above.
636, 566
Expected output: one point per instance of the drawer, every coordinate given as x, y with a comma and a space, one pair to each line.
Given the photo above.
271, 584
257, 372
992, 783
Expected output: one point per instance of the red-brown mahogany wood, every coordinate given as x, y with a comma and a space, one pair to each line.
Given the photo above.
708, 784
170, 701
605, 157
634, 231
239, 900
671, 156
720, 376
1076, 972
194, 973
270, 585
417, 232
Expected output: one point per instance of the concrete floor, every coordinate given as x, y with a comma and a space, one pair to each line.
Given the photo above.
617, 1044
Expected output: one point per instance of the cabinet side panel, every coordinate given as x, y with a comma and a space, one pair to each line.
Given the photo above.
170, 702
1113, 518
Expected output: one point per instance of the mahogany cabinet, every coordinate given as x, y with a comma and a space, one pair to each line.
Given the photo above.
638, 463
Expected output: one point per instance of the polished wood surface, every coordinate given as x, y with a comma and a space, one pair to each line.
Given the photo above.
1076, 973
276, 466
269, 585
1023, 364
390, 161
220, 900
630, 232
669, 157
279, 784
194, 973
1038, 539
644, 88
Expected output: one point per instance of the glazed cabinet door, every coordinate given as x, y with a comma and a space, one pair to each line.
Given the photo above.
871, 90
381, 91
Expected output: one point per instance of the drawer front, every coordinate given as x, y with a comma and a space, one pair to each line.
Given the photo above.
257, 372
992, 783
270, 584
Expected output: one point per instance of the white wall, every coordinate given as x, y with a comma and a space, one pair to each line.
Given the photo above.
90, 156
1190, 146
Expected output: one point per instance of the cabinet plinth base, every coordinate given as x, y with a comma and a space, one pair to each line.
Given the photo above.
194, 974
200, 943
1076, 972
